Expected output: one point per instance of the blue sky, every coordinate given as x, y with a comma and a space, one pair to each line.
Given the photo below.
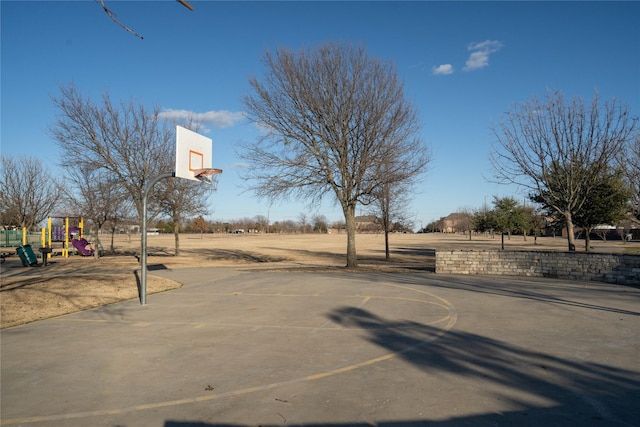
463, 64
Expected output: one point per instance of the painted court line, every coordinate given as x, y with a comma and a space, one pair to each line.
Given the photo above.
450, 319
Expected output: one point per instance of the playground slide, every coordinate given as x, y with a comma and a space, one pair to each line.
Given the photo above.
80, 246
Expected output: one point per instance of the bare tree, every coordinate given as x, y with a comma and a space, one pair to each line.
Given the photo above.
389, 206
303, 221
630, 162
29, 191
338, 225
119, 222
557, 150
96, 197
320, 223
465, 221
262, 223
127, 140
286, 226
333, 117
181, 199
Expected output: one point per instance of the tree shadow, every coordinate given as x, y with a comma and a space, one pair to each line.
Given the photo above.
582, 393
217, 254
415, 254
22, 284
317, 255
138, 276
594, 391
538, 289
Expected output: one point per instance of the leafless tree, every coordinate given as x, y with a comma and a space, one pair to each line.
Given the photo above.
96, 197
127, 140
465, 222
119, 222
389, 206
303, 221
556, 150
130, 145
181, 199
338, 225
630, 162
28, 191
333, 117
262, 223
320, 223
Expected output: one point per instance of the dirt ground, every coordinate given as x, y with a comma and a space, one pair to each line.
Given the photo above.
77, 283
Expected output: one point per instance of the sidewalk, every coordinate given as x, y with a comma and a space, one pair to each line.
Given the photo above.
254, 347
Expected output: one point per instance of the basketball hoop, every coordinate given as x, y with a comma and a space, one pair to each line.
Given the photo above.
205, 174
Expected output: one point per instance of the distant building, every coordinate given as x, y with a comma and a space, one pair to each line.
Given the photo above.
368, 224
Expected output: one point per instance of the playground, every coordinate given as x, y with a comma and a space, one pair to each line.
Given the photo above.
62, 236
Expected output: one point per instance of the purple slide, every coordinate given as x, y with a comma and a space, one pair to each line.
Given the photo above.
80, 246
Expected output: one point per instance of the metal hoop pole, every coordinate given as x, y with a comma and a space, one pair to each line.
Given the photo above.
143, 240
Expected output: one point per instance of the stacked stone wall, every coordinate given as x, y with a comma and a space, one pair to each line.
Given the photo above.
610, 268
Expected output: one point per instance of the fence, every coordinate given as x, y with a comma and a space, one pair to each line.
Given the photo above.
13, 238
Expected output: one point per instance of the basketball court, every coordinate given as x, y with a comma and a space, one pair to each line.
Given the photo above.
255, 347
247, 347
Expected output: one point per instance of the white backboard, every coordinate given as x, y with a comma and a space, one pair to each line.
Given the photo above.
193, 151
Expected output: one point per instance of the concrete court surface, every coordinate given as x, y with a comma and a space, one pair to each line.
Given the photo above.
250, 347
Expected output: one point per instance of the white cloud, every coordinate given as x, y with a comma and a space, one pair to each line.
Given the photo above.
479, 57
219, 119
264, 128
443, 70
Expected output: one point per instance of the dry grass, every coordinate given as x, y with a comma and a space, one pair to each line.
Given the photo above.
73, 284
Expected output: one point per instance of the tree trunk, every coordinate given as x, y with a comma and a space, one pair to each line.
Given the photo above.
587, 243
350, 221
112, 247
587, 239
176, 234
571, 240
387, 255
96, 249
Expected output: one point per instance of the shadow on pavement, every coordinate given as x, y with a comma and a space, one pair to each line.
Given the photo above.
547, 290
584, 393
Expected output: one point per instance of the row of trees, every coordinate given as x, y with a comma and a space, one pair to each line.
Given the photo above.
316, 223
608, 205
337, 124
578, 160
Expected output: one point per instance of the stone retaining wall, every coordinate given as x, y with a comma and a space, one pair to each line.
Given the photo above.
610, 268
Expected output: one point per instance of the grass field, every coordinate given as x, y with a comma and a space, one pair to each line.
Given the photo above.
331, 248
77, 283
